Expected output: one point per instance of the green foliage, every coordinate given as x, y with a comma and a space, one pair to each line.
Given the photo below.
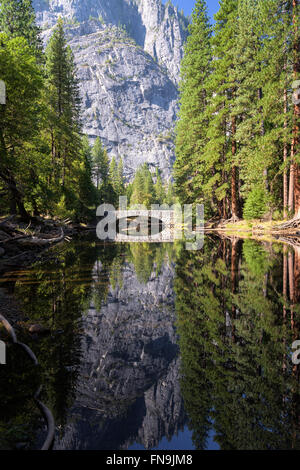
17, 19
147, 258
70, 178
143, 191
116, 172
233, 340
100, 163
235, 124
20, 121
170, 195
45, 166
159, 190
189, 169
255, 257
256, 204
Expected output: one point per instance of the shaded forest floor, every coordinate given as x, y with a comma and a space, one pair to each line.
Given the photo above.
22, 244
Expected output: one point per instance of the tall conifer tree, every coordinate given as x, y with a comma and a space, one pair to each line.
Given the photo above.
17, 19
191, 128
221, 186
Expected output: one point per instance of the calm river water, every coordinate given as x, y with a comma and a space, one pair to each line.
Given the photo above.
151, 346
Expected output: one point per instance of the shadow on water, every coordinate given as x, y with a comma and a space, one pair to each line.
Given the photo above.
152, 346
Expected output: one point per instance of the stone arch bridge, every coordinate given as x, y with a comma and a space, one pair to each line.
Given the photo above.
161, 226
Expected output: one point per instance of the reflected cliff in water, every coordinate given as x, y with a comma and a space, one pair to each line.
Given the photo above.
153, 346
110, 365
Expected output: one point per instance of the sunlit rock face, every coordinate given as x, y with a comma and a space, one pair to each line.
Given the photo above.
128, 387
128, 54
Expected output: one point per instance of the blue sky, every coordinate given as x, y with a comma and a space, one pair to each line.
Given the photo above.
187, 6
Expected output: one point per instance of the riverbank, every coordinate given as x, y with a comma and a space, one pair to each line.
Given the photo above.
22, 244
264, 231
255, 227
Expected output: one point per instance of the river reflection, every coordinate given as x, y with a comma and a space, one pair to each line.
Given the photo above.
151, 346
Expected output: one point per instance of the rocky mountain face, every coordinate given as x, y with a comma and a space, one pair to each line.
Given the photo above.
128, 55
128, 385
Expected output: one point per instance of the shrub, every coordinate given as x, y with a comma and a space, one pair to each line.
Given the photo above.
256, 204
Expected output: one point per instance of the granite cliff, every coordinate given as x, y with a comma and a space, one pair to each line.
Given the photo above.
128, 55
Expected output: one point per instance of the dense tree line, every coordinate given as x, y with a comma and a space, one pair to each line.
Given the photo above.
237, 143
47, 166
148, 188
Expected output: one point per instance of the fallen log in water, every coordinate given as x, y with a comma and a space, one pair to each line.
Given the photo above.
39, 241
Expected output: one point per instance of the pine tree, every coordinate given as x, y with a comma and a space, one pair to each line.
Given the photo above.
143, 187
160, 194
247, 103
64, 105
295, 160
100, 163
70, 166
149, 193
120, 178
246, 130
170, 195
113, 174
87, 192
117, 178
189, 169
17, 19
20, 121
137, 191
221, 166
275, 19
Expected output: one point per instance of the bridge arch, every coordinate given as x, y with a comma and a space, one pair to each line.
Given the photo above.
165, 217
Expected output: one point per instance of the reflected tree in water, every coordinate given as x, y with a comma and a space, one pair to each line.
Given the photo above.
235, 342
56, 295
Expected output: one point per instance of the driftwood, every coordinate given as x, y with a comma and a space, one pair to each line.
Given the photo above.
14, 239
7, 219
289, 225
33, 240
290, 240
39, 241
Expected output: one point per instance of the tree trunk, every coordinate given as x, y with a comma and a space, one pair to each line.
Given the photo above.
297, 192
262, 133
234, 174
296, 128
9, 180
291, 185
285, 153
12, 206
18, 198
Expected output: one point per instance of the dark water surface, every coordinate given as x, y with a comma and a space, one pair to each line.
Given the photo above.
151, 346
